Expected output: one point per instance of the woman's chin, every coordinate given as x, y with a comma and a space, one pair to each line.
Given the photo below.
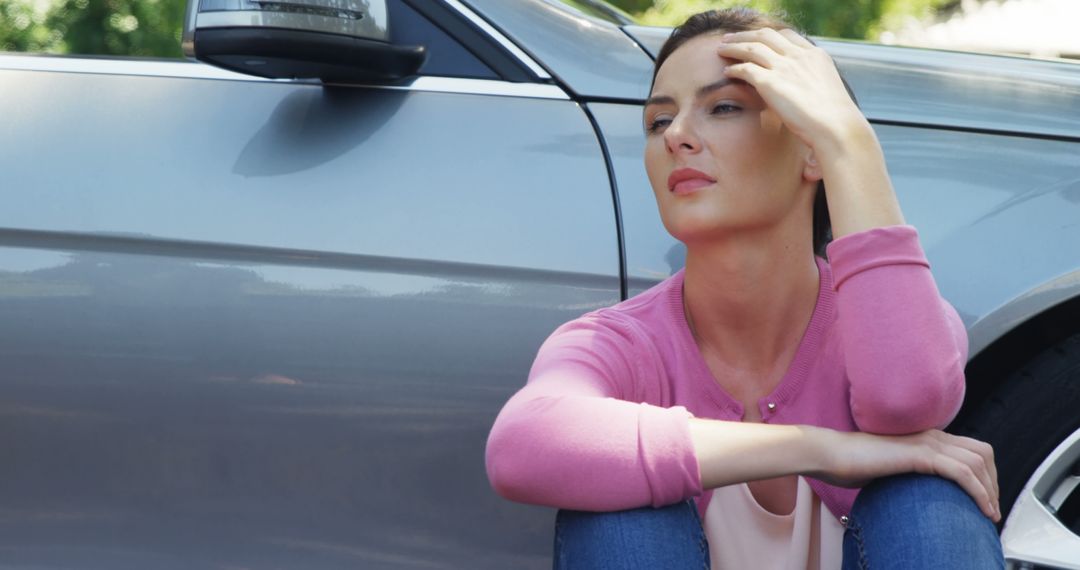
716, 227
692, 231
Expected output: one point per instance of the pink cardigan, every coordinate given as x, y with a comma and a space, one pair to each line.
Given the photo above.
602, 422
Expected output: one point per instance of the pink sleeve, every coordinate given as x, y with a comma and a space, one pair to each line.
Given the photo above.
568, 440
905, 347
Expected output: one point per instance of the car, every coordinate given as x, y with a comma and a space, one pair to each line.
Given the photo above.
263, 311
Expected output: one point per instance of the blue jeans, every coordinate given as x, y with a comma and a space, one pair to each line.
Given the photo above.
904, 521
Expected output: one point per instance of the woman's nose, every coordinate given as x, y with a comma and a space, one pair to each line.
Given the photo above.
680, 137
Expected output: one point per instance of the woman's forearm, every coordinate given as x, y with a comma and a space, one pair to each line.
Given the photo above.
857, 184
904, 347
554, 447
734, 452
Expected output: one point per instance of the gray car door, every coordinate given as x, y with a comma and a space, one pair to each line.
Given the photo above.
254, 323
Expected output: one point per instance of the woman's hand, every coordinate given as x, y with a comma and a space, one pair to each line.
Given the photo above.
798, 81
852, 459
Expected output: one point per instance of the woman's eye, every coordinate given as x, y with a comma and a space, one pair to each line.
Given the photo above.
656, 124
720, 109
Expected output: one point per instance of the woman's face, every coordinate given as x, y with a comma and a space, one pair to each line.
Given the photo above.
697, 118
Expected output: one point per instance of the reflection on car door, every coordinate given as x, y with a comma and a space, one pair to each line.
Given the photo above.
279, 328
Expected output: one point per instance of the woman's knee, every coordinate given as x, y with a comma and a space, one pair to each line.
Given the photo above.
913, 518
646, 537
923, 495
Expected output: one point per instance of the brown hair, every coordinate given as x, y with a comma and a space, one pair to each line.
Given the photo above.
741, 20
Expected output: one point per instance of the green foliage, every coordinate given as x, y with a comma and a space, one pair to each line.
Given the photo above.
851, 19
119, 27
896, 11
149, 28
855, 19
22, 27
632, 6
675, 12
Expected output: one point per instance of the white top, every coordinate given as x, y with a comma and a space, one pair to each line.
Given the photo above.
742, 534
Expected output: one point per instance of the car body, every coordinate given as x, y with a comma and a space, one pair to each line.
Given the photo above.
268, 323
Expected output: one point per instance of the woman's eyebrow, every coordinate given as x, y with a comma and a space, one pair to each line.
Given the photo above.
701, 92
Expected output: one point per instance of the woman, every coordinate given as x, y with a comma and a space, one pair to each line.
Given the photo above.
710, 419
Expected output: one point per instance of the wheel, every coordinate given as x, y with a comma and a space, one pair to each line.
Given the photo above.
1033, 423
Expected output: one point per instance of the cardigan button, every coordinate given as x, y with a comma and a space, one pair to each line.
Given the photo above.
772, 406
844, 520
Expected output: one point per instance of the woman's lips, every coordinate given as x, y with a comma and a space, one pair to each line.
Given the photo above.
690, 186
686, 180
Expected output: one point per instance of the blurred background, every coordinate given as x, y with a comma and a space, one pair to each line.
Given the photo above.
1034, 28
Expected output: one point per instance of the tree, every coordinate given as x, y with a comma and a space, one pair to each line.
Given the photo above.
22, 27
852, 19
149, 28
855, 19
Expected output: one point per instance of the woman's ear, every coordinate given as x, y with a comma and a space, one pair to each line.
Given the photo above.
811, 169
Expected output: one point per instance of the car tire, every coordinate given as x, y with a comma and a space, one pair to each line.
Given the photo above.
1026, 418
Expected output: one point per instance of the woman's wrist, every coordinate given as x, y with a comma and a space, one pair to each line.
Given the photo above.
846, 137
820, 445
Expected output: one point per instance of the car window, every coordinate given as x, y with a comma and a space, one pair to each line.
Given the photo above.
446, 57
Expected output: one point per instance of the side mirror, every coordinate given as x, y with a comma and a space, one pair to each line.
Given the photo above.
333, 40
